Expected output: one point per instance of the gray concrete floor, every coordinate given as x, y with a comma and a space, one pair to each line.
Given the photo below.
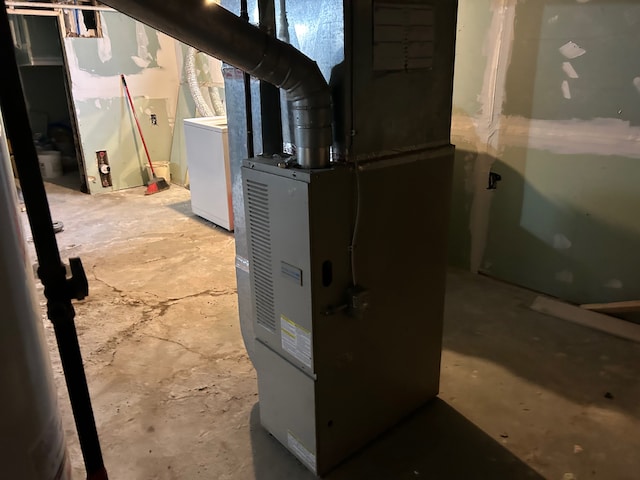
175, 396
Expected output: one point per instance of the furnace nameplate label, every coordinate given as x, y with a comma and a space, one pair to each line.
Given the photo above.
301, 451
296, 340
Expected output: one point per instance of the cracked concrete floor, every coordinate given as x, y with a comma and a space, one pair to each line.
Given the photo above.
159, 333
175, 396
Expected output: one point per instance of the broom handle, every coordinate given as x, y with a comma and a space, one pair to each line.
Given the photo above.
133, 109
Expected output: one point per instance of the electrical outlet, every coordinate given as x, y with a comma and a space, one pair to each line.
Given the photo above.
154, 119
359, 301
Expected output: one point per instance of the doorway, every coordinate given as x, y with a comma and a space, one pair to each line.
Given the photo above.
37, 37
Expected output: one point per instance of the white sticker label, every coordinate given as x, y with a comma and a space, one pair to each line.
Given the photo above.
296, 340
301, 451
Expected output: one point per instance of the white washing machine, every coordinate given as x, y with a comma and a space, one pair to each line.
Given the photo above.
209, 171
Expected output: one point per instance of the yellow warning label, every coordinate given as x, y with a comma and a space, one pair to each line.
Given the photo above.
296, 340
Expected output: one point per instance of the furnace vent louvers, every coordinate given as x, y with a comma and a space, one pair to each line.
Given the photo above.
261, 267
218, 32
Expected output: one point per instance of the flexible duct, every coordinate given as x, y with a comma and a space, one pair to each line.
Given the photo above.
218, 106
194, 87
218, 32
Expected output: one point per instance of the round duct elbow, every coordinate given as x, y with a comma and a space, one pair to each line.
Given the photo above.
218, 32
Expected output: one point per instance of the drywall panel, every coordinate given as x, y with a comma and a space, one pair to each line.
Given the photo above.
566, 225
107, 124
209, 75
185, 108
466, 157
476, 49
148, 59
558, 120
576, 60
474, 21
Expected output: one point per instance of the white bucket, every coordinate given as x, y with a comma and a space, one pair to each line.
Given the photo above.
50, 163
162, 169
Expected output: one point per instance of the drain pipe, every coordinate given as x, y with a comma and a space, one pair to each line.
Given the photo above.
214, 30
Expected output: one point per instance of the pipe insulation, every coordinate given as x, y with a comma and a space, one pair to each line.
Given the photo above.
214, 30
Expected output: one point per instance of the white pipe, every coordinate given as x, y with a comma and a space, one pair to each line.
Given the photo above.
63, 6
32, 444
39, 13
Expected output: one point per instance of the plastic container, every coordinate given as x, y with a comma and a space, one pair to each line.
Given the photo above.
50, 163
162, 169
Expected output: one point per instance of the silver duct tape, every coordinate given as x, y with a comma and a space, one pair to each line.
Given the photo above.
242, 263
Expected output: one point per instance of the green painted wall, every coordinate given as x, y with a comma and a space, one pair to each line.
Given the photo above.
608, 33
107, 124
153, 65
474, 20
185, 109
564, 219
148, 60
209, 73
567, 225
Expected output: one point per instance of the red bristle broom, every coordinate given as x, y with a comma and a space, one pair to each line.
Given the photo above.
156, 184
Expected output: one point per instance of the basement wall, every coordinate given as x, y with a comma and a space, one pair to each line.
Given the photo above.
148, 60
547, 94
209, 73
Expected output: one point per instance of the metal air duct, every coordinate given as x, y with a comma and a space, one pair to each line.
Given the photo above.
216, 31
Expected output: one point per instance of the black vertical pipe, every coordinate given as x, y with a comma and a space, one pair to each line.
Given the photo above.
248, 106
270, 109
283, 34
57, 288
